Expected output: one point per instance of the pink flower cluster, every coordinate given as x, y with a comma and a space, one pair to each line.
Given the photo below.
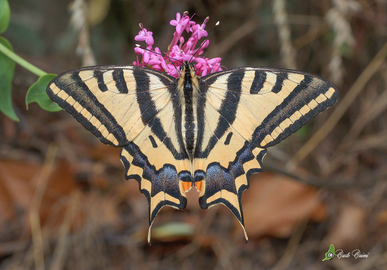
179, 51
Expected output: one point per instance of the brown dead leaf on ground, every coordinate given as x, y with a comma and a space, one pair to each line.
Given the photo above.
15, 190
274, 204
382, 218
18, 183
106, 154
349, 227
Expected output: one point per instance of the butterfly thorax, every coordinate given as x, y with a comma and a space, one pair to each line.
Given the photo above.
188, 88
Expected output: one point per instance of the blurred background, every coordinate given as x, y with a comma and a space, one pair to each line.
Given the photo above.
64, 202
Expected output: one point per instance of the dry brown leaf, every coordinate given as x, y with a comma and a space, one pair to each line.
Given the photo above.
16, 188
349, 227
100, 210
18, 182
274, 204
105, 153
6, 207
128, 190
382, 217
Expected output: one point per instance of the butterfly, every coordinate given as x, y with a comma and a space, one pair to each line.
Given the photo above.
207, 132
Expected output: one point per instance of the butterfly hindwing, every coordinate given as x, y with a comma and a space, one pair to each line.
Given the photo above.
137, 109
244, 111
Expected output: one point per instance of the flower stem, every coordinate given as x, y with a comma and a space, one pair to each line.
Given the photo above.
10, 54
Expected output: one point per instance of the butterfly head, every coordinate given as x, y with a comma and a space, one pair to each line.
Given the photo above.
187, 66
187, 69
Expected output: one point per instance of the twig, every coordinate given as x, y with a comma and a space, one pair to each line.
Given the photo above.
61, 249
373, 141
337, 18
310, 180
368, 114
291, 248
234, 37
372, 178
365, 116
79, 10
37, 238
281, 20
343, 106
310, 36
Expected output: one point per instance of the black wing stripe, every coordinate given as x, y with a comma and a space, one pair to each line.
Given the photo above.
279, 82
144, 99
227, 110
118, 77
98, 74
148, 113
258, 82
308, 99
153, 142
228, 139
89, 106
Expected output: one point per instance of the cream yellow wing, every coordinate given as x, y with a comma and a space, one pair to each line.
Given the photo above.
135, 108
243, 111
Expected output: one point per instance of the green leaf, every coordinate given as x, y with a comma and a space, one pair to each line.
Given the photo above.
37, 93
7, 69
5, 15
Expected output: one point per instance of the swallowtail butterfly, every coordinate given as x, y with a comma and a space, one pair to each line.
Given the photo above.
210, 132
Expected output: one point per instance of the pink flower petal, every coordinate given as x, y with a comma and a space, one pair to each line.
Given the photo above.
138, 50
175, 22
179, 49
145, 57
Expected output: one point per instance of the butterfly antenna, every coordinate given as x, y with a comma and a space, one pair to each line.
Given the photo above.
178, 71
204, 41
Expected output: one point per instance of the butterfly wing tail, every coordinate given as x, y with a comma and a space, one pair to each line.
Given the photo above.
161, 187
225, 185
